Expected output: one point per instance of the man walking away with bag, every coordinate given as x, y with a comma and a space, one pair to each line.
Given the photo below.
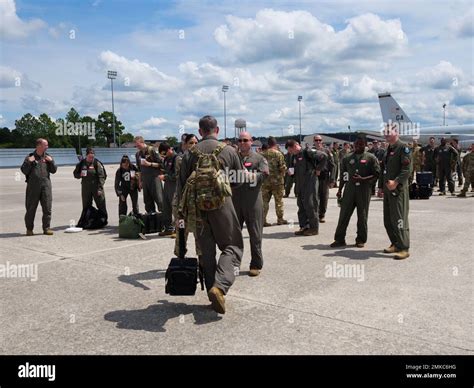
204, 194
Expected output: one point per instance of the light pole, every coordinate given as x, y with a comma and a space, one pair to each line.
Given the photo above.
225, 88
112, 75
350, 133
299, 101
444, 115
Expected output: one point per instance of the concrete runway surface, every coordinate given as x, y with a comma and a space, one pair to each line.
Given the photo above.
97, 294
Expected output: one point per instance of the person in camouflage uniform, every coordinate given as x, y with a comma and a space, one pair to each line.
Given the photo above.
468, 171
188, 141
37, 167
458, 166
274, 184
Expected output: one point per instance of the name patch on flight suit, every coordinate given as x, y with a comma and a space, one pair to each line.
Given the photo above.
248, 164
363, 161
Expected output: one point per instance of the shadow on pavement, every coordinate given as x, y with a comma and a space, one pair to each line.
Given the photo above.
8, 235
134, 279
359, 254
280, 235
322, 247
154, 317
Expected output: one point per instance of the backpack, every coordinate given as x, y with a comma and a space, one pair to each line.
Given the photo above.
211, 185
92, 218
130, 226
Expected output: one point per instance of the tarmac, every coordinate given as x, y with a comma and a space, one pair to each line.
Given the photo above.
93, 293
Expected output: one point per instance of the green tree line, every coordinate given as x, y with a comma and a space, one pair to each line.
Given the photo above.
28, 128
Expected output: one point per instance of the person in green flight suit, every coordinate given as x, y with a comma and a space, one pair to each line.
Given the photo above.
37, 168
395, 182
92, 174
358, 172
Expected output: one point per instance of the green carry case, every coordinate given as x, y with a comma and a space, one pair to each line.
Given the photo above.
130, 226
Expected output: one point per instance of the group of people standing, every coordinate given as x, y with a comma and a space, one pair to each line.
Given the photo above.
164, 174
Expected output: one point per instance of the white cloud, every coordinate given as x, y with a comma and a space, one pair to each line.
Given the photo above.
298, 35
134, 75
364, 90
271, 35
463, 26
12, 27
442, 76
242, 80
153, 122
464, 95
37, 104
10, 78
369, 35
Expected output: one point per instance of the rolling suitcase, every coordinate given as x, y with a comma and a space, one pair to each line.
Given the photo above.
183, 272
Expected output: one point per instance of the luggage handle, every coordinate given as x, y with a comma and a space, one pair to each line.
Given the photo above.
182, 251
182, 243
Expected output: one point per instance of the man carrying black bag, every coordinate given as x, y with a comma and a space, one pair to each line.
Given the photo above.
182, 274
204, 195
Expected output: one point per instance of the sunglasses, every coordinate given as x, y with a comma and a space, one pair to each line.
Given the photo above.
243, 140
318, 140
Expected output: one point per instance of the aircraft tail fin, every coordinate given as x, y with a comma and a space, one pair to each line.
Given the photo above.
391, 111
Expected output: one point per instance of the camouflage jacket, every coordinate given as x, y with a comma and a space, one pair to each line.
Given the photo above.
276, 166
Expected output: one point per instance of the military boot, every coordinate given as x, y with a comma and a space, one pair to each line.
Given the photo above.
216, 296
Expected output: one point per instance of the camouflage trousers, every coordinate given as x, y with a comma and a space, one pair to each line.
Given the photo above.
416, 168
277, 192
469, 179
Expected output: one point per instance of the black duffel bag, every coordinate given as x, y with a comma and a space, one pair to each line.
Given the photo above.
92, 218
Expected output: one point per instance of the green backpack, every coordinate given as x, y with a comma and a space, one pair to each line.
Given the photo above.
211, 185
130, 226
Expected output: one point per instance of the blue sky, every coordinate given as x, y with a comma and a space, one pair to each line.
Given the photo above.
173, 57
